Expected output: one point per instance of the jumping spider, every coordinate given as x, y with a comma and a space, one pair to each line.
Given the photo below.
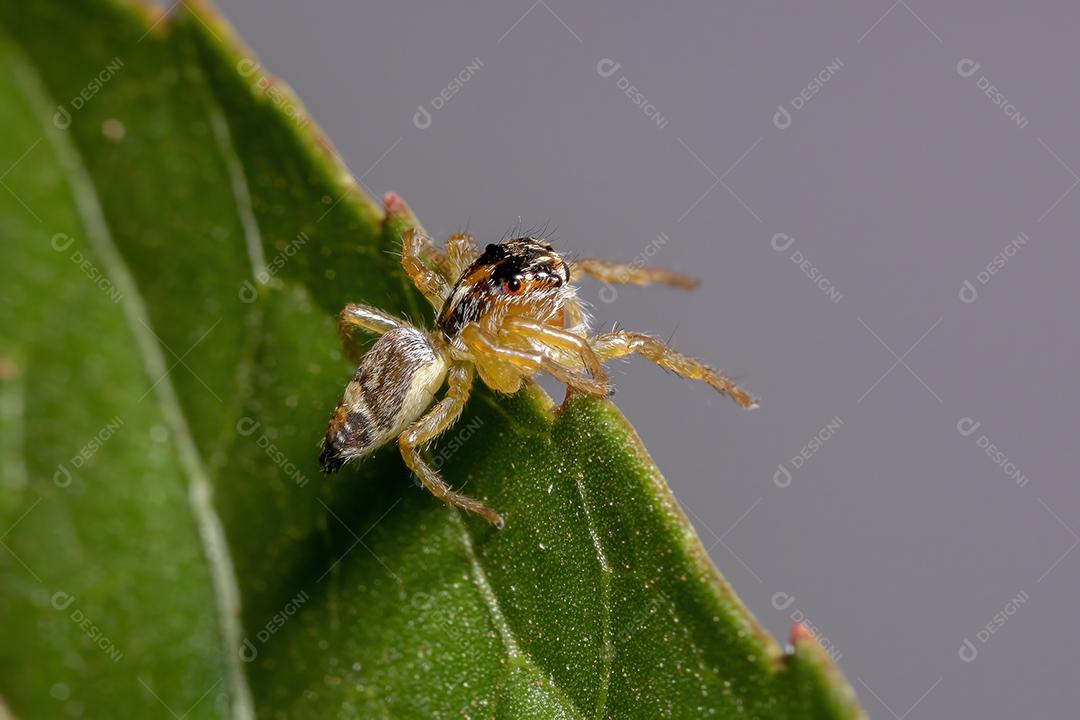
511, 313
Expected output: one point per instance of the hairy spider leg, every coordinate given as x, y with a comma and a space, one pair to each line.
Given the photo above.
415, 246
442, 416
621, 343
461, 250
503, 368
577, 320
541, 335
436, 258
631, 274
354, 316
618, 273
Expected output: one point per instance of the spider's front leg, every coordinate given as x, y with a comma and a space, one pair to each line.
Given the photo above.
416, 248
444, 414
544, 336
620, 343
354, 316
503, 368
461, 250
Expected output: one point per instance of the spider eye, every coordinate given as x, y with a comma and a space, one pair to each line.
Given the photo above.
512, 286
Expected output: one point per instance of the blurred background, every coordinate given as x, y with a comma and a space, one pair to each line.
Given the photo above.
878, 198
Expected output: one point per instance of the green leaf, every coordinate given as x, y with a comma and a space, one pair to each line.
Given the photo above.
176, 239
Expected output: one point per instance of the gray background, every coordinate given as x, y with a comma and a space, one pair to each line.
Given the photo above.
899, 180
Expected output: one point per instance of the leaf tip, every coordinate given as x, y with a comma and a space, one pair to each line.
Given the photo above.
397, 209
800, 633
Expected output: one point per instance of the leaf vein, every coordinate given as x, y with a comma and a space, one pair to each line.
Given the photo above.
506, 634
605, 599
253, 241
13, 416
238, 182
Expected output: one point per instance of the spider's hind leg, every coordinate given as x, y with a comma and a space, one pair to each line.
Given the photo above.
620, 343
445, 413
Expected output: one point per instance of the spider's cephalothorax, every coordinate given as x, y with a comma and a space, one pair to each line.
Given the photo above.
507, 313
523, 277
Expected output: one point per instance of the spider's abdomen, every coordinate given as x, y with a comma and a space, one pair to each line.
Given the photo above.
394, 384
